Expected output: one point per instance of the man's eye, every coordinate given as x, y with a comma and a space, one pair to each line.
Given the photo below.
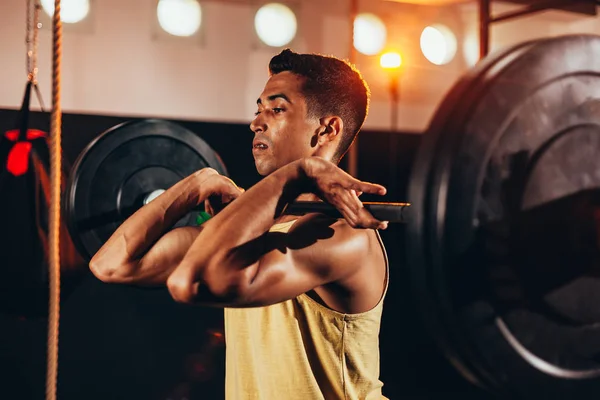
277, 110
256, 113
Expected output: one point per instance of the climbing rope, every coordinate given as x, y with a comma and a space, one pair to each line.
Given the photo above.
54, 214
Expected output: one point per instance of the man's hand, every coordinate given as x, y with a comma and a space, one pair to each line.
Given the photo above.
341, 190
220, 191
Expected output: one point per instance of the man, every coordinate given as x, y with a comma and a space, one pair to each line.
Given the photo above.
303, 294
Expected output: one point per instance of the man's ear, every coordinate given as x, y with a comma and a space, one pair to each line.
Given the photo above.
330, 129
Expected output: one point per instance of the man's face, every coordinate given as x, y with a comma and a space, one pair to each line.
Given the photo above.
282, 130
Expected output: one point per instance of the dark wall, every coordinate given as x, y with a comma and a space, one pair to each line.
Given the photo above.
124, 342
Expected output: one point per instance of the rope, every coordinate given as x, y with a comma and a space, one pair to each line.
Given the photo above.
54, 217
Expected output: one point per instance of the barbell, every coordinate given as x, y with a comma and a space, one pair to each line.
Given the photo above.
502, 232
129, 165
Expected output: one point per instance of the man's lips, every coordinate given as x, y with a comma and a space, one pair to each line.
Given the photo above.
259, 145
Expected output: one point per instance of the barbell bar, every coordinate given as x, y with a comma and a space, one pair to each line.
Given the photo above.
393, 212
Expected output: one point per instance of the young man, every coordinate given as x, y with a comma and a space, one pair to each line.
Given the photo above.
302, 295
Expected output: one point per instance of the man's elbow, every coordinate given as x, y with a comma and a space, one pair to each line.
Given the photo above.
220, 288
109, 272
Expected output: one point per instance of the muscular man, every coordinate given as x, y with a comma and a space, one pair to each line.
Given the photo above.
302, 295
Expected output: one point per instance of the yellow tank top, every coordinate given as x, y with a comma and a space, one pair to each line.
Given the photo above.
301, 350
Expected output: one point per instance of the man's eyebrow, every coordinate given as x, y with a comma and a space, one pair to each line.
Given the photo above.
273, 97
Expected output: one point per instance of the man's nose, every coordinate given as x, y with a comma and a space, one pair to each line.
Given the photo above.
258, 124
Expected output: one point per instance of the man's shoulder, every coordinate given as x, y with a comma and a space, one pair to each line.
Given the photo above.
335, 230
333, 241
356, 262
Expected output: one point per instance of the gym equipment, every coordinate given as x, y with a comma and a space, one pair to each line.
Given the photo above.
503, 240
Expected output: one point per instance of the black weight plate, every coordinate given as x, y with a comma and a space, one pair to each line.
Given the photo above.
116, 171
423, 256
509, 222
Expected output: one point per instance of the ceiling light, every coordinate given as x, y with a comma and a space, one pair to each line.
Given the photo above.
179, 17
275, 24
369, 34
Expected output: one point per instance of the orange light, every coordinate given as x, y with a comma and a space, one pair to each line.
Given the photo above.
390, 60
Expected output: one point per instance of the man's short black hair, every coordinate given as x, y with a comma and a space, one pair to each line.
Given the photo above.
331, 87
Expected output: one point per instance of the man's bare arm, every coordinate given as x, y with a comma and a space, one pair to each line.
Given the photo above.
236, 262
137, 252
153, 267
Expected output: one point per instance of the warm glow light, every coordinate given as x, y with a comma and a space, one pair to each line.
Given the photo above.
438, 44
275, 24
369, 34
390, 60
71, 11
179, 17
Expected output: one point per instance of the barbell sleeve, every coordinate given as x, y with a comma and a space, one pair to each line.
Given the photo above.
391, 212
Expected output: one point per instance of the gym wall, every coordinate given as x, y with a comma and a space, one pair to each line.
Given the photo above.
118, 63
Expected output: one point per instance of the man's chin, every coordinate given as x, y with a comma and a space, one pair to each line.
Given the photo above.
262, 169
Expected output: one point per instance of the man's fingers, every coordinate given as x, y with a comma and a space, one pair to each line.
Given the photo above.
367, 187
233, 193
355, 202
234, 189
365, 218
224, 191
208, 208
342, 200
355, 212
349, 215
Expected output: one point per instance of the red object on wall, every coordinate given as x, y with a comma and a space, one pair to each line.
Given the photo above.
17, 162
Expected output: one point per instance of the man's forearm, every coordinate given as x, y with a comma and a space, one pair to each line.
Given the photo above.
249, 217
134, 237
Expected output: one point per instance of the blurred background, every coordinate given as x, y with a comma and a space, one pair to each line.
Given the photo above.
202, 64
